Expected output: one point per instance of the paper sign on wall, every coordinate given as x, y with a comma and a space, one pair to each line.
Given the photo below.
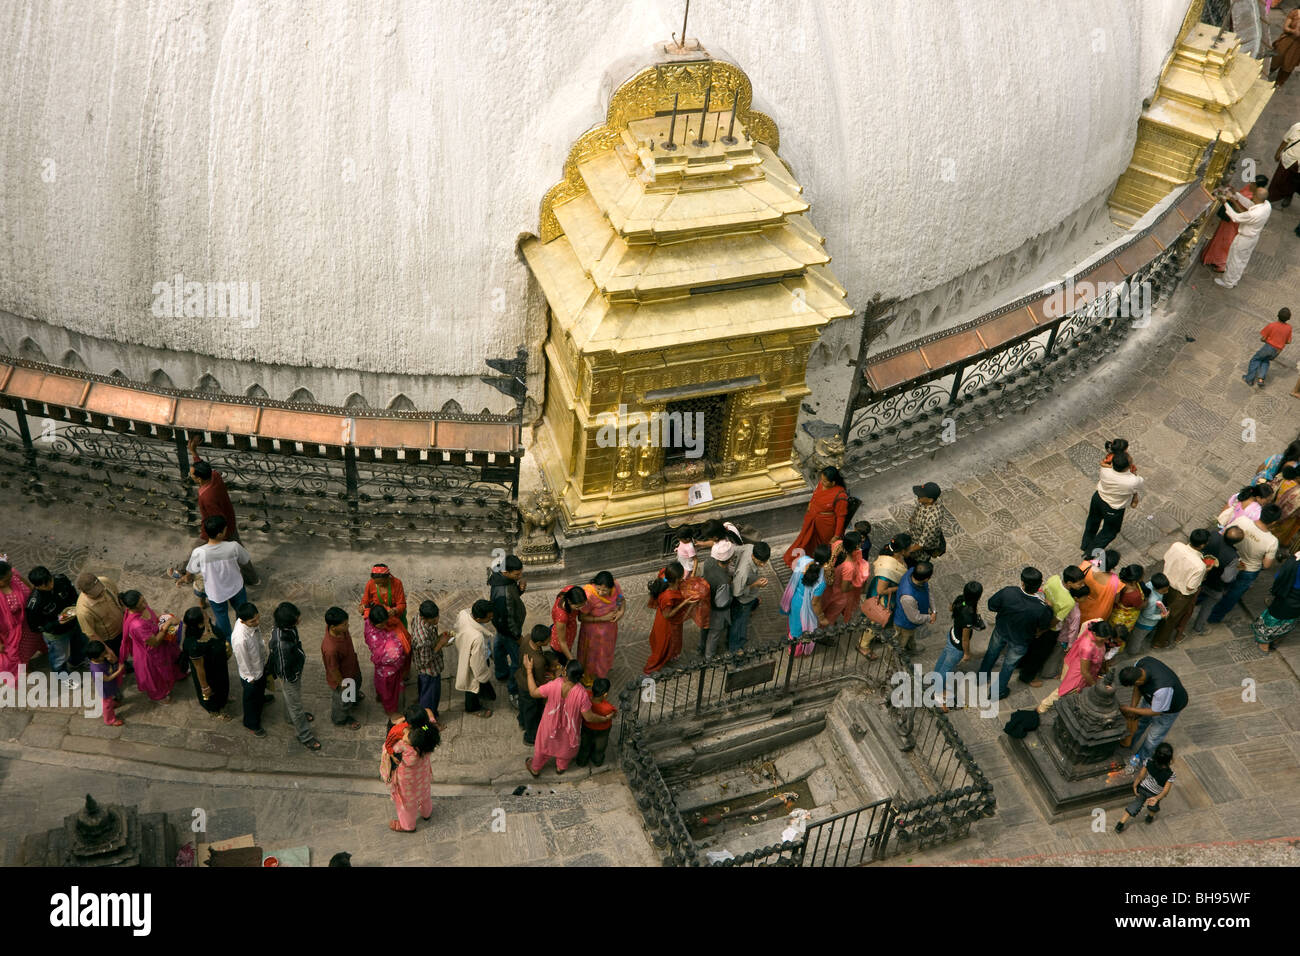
699, 493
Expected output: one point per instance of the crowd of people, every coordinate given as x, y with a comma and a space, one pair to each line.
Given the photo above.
1067, 628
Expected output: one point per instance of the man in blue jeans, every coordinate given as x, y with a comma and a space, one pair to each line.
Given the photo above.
751, 561
1023, 614
508, 614
1275, 337
219, 560
1162, 699
51, 595
1256, 550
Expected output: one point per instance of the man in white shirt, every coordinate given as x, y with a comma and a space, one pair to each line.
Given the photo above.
1256, 550
1185, 567
1250, 222
250, 659
218, 560
1117, 488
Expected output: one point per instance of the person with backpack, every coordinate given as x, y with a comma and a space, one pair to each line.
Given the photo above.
828, 512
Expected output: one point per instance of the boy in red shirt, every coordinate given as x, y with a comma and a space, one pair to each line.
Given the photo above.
595, 737
341, 666
1275, 336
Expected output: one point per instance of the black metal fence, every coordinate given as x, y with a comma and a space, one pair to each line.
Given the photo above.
62, 457
908, 421
654, 710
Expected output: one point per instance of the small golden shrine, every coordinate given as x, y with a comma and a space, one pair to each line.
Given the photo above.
1210, 89
685, 288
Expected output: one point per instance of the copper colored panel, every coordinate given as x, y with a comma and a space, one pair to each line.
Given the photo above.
1168, 229
1006, 327
392, 433
198, 415
62, 390
894, 371
474, 437
25, 382
5, 372
288, 425
1137, 255
1107, 272
1195, 203
131, 403
952, 349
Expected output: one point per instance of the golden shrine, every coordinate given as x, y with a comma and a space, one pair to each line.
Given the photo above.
1210, 92
684, 284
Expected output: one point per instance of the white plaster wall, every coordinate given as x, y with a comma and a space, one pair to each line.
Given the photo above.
371, 163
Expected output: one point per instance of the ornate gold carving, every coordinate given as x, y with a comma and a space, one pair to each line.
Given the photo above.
647, 94
741, 443
763, 433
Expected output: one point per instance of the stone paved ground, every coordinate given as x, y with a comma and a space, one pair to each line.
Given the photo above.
1014, 496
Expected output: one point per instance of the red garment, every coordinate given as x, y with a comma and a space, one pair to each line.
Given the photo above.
559, 613
1276, 334
601, 707
843, 604
823, 522
1216, 253
339, 656
701, 610
215, 500
392, 597
666, 634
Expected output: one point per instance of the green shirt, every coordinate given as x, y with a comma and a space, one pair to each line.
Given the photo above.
1057, 596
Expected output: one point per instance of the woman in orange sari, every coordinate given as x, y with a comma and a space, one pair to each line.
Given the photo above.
824, 520
846, 578
1103, 586
600, 617
670, 609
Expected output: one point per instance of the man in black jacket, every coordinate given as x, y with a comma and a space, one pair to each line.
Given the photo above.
51, 595
285, 661
1157, 687
508, 618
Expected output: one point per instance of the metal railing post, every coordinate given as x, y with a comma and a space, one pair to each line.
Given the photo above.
351, 485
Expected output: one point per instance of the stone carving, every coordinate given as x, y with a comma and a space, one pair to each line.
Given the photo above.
537, 513
826, 452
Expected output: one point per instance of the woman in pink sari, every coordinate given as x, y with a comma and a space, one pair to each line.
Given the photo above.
153, 647
18, 642
1083, 662
851, 572
599, 617
566, 705
410, 778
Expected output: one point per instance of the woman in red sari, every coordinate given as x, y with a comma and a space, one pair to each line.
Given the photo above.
670, 609
824, 520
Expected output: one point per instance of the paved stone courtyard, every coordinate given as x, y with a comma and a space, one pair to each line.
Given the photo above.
1013, 496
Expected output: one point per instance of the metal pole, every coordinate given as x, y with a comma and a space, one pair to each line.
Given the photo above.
183, 459
351, 483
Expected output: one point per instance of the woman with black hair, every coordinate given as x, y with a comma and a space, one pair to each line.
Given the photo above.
564, 622
823, 522
208, 669
410, 778
153, 646
670, 611
566, 705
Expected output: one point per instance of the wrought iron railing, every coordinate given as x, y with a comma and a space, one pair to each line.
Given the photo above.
652, 712
909, 419
355, 496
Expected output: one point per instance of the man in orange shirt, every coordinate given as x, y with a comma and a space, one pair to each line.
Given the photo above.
1275, 337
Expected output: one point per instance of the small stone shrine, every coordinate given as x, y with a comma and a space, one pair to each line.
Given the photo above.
99, 835
1071, 759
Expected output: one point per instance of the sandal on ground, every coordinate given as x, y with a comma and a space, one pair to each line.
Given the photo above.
352, 725
1035, 683
259, 732
429, 817
558, 771
528, 763
868, 655
483, 713
310, 717
312, 744
397, 827
116, 723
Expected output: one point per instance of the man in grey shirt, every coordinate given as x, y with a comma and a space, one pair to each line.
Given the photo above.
751, 560
718, 574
